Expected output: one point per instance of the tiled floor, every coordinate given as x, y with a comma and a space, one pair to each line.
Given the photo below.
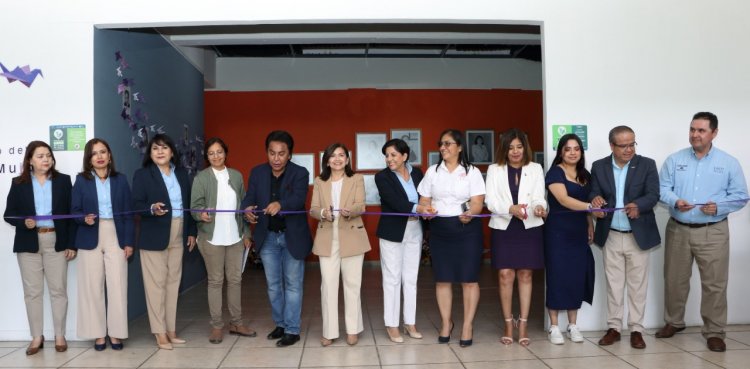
685, 350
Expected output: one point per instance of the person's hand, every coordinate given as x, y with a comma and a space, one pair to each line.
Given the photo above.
251, 217
598, 202
272, 208
128, 251
206, 216
427, 209
683, 206
519, 211
89, 219
710, 208
328, 214
191, 243
69, 254
30, 223
246, 242
540, 211
465, 217
591, 234
158, 209
631, 210
346, 213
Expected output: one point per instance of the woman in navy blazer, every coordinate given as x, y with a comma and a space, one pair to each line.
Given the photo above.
105, 241
43, 247
159, 188
400, 237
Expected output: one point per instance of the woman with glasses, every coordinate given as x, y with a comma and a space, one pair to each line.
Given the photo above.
453, 192
222, 237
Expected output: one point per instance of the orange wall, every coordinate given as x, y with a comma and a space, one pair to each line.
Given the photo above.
318, 118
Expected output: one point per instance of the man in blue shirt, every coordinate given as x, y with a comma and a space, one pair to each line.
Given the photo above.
630, 182
701, 185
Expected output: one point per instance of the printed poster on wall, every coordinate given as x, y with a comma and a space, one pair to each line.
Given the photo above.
67, 137
559, 130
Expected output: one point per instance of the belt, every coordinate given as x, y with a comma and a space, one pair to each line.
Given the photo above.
617, 230
45, 229
697, 225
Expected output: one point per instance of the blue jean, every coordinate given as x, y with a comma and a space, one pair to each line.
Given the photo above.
285, 276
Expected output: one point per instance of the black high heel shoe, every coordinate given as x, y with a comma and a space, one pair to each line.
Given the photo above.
444, 339
467, 343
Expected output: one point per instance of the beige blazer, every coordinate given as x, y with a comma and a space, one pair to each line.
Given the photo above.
353, 238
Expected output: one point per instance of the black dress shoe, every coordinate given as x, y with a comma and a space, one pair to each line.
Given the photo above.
465, 343
288, 340
100, 346
277, 333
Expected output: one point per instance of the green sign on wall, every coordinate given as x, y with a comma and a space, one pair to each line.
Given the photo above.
67, 137
559, 130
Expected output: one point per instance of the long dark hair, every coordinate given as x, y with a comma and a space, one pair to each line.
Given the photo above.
325, 172
88, 154
506, 139
463, 155
26, 169
160, 139
582, 175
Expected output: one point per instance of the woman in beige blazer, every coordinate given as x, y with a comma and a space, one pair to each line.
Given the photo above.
340, 241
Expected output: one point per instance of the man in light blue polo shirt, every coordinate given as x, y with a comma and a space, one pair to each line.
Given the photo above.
701, 185
629, 182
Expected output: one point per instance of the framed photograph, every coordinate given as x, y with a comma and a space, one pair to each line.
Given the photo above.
320, 159
481, 145
433, 157
539, 157
413, 138
308, 162
372, 195
368, 147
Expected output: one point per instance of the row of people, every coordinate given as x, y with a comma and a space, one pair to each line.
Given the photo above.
448, 196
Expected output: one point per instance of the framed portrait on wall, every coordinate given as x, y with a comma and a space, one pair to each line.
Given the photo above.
433, 157
372, 195
322, 164
413, 138
481, 145
368, 146
306, 161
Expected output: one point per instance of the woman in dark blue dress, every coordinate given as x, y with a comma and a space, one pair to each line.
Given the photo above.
567, 235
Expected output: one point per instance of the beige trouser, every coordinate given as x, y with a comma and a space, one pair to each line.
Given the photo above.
104, 263
221, 262
625, 264
35, 268
709, 246
350, 270
162, 272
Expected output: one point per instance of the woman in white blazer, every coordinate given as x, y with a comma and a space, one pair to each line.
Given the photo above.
515, 194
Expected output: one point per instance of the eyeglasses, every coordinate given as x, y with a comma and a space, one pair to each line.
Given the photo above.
446, 143
631, 145
215, 153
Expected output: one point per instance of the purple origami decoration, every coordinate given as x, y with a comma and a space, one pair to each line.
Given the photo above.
23, 74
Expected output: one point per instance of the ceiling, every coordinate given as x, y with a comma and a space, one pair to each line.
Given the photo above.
364, 40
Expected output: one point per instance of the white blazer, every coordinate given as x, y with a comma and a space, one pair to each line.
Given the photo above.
530, 191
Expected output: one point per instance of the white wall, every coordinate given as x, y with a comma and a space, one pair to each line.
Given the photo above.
647, 64
279, 74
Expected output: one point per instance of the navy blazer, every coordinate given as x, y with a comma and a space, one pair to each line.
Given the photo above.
641, 188
149, 188
21, 203
393, 200
294, 187
85, 201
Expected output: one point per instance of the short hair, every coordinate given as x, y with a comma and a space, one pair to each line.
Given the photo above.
506, 138
713, 121
398, 144
325, 171
160, 139
617, 130
281, 136
25, 176
88, 154
215, 140
479, 137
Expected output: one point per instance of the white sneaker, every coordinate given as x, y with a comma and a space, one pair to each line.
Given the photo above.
555, 336
574, 333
